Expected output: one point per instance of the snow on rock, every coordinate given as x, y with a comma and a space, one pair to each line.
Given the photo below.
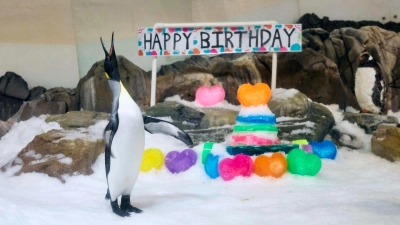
20, 135
59, 152
282, 94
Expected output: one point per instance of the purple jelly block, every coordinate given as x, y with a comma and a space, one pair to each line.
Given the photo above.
177, 162
307, 148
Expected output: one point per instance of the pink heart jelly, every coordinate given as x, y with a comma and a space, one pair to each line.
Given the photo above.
207, 96
240, 165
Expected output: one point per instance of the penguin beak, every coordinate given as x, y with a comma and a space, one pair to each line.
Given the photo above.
112, 45
110, 53
104, 49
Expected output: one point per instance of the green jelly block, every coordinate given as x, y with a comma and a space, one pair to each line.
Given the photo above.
301, 163
206, 150
258, 127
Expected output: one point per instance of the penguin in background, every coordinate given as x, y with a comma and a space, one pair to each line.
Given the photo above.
124, 138
369, 85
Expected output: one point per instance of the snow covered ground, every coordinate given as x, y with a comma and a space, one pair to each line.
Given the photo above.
355, 188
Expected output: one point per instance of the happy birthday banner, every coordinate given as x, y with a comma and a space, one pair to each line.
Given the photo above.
217, 40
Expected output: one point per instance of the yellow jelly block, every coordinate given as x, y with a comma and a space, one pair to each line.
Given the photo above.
300, 142
152, 158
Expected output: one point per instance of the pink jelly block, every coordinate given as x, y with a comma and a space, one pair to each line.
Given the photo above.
208, 96
240, 165
253, 140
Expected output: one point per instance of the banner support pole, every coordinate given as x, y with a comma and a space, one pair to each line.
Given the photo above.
274, 69
153, 82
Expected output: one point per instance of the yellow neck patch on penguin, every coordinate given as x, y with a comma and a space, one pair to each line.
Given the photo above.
106, 74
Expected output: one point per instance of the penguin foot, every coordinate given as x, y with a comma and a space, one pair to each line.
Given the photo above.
126, 205
131, 208
117, 210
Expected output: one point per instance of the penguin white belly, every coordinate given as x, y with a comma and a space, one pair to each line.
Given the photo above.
364, 83
127, 147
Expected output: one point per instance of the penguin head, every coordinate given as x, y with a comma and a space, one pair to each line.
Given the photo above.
364, 57
110, 62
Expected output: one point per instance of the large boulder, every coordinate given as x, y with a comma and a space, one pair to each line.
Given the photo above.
68, 151
5, 126
385, 142
56, 154
184, 117
35, 93
78, 119
299, 118
39, 107
67, 95
94, 91
202, 124
369, 122
196, 61
13, 85
311, 20
228, 74
9, 106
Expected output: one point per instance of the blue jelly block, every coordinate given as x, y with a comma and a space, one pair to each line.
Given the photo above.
211, 166
325, 149
257, 119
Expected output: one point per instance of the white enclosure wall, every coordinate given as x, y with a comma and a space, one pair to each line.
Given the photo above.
55, 42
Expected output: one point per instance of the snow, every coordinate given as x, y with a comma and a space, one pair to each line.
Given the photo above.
20, 135
282, 94
223, 105
355, 188
255, 110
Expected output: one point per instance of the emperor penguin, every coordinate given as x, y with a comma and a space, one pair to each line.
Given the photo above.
369, 85
124, 139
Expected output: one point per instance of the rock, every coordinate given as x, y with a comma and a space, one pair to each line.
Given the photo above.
71, 150
311, 20
202, 124
216, 124
66, 95
342, 138
94, 91
39, 107
13, 85
182, 116
217, 117
196, 62
369, 122
229, 74
184, 85
313, 74
5, 126
235, 73
307, 120
78, 119
8, 106
215, 134
385, 142
56, 154
35, 93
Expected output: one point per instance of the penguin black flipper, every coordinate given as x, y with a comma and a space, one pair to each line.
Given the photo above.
154, 125
108, 136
